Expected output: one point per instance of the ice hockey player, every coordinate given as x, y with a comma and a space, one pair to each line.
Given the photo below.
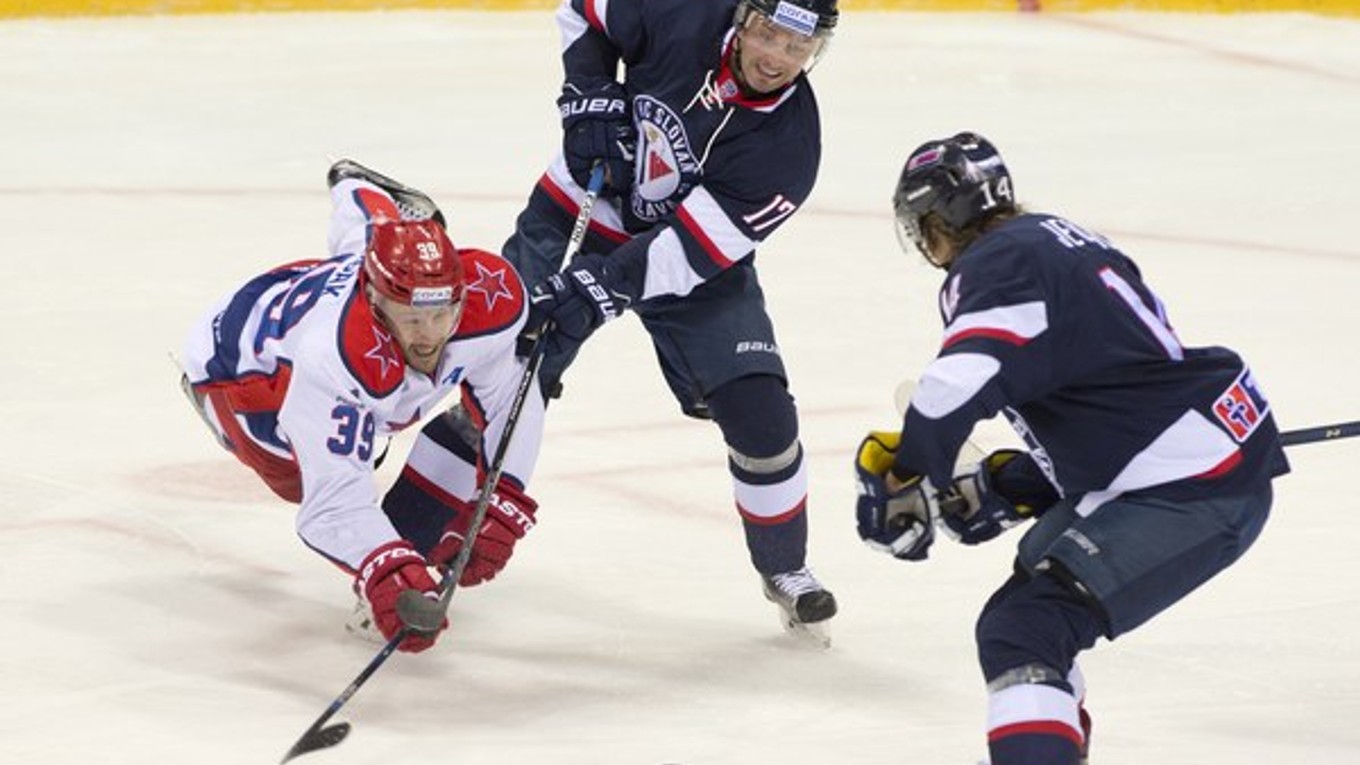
1148, 464
305, 371
707, 126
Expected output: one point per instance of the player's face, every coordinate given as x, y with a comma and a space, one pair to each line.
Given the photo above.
770, 56
423, 332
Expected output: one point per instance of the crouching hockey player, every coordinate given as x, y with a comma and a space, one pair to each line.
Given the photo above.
1149, 464
303, 373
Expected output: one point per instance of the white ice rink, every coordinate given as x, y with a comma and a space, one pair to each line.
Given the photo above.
157, 607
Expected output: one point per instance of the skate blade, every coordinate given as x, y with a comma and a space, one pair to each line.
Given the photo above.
815, 635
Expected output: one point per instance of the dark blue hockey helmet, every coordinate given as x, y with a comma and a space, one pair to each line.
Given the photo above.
960, 179
813, 19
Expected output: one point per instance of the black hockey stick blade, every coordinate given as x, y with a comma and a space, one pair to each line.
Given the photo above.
317, 738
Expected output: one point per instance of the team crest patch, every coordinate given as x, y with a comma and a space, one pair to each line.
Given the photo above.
667, 169
1241, 408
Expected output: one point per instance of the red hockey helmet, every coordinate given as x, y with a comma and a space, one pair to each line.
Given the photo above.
414, 263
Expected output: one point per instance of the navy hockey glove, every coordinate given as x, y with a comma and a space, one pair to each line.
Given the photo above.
597, 126
577, 300
1005, 489
900, 523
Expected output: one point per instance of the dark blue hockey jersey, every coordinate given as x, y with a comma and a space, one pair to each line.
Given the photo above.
715, 171
1050, 325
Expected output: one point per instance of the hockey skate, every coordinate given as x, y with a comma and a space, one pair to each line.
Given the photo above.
805, 606
412, 204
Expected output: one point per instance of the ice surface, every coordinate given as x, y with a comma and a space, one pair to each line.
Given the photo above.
158, 607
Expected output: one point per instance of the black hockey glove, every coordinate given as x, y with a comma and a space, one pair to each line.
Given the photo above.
1005, 489
597, 126
577, 300
900, 523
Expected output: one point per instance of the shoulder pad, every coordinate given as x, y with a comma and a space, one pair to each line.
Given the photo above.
494, 295
368, 349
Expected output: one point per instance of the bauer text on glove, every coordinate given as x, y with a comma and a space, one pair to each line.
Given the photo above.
578, 300
597, 127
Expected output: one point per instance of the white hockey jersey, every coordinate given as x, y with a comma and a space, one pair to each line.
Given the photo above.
312, 377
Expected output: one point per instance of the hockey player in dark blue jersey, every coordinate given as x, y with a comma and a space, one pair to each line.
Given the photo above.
705, 121
1148, 464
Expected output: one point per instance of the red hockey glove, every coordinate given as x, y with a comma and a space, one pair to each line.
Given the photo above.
383, 576
509, 516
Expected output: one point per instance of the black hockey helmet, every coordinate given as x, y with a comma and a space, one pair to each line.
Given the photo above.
961, 179
810, 18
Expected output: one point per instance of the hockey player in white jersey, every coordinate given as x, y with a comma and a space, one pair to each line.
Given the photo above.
1149, 463
305, 371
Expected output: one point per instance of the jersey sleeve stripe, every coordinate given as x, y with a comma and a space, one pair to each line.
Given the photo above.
605, 221
708, 223
1014, 324
571, 24
597, 11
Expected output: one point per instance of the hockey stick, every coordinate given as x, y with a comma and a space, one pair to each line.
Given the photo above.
419, 613
902, 397
1320, 433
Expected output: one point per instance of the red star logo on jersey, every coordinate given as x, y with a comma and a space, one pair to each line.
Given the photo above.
384, 351
491, 284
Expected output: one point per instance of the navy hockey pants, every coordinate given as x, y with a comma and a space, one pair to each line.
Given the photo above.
718, 333
1138, 555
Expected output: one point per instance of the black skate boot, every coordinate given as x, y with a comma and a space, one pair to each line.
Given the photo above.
805, 606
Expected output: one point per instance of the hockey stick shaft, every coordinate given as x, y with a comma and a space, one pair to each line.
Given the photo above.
526, 383
1320, 433
905, 389
420, 609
